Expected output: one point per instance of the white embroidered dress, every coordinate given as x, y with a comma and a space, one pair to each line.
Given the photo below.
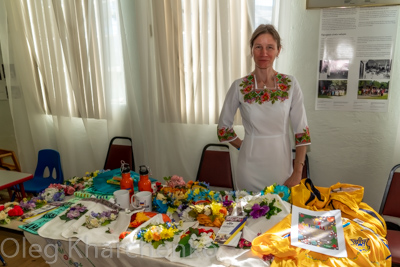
265, 156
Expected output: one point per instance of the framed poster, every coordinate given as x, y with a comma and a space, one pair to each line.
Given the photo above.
314, 4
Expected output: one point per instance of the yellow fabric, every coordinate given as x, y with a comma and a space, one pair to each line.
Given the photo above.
364, 248
345, 197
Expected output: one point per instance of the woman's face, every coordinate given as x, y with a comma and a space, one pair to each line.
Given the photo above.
265, 50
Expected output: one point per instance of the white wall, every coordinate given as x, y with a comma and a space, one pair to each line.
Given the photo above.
346, 147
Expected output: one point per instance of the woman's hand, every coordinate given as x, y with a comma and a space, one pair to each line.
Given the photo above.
293, 180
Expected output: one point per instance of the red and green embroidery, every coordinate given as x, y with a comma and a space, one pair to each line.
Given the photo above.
226, 134
303, 138
261, 96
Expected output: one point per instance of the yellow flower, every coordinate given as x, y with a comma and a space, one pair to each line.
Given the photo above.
269, 189
171, 210
216, 207
167, 233
196, 191
211, 194
198, 208
147, 236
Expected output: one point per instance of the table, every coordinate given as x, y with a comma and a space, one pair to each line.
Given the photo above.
10, 179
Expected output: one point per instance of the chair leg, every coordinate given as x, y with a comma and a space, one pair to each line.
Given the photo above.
3, 261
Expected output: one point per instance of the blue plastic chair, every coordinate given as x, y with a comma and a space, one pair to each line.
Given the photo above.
47, 158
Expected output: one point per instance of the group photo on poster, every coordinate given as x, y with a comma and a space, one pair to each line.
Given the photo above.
355, 59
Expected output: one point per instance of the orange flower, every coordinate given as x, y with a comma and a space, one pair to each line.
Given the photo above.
156, 236
223, 210
123, 235
218, 222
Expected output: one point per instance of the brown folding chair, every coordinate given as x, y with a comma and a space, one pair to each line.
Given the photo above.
215, 166
390, 211
120, 148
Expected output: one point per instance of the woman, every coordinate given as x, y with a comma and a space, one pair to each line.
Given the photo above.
268, 101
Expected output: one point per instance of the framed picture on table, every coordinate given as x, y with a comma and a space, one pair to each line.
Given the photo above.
316, 4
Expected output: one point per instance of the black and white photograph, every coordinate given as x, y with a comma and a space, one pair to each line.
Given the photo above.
333, 69
375, 69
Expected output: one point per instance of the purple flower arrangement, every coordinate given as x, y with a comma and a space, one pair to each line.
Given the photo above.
261, 206
74, 213
97, 219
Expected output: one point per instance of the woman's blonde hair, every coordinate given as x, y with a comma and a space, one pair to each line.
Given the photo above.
266, 28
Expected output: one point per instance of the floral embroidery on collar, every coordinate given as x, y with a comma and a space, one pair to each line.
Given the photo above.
252, 95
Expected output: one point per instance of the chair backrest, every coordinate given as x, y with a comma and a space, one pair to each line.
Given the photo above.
391, 196
215, 166
306, 167
49, 158
120, 148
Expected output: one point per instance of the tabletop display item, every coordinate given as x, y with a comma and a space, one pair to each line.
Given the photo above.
100, 226
54, 228
319, 231
230, 232
10, 211
155, 237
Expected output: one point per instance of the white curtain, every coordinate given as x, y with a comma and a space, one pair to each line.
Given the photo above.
68, 91
178, 60
187, 57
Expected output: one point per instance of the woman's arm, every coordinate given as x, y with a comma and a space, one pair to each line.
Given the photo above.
299, 162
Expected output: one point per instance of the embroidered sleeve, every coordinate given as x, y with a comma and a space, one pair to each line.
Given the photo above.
303, 138
225, 130
298, 116
226, 134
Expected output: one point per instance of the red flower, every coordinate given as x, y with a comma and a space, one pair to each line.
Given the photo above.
221, 132
16, 211
1, 208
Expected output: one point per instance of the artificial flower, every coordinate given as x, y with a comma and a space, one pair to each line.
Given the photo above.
282, 191
175, 181
74, 212
123, 235
261, 206
196, 240
158, 234
259, 211
95, 220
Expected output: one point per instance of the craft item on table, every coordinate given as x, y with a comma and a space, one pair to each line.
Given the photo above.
52, 194
212, 215
54, 228
101, 225
143, 216
91, 193
114, 181
144, 245
319, 231
230, 232
10, 211
32, 204
34, 226
158, 234
196, 240
281, 190
260, 220
37, 212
